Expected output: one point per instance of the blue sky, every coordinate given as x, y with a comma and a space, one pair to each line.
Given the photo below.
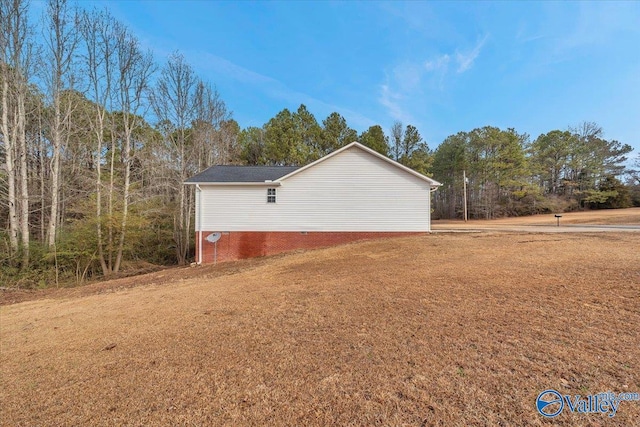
441, 66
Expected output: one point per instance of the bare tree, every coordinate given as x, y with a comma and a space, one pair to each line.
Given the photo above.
229, 135
174, 106
61, 40
209, 136
397, 137
98, 34
76, 150
190, 115
9, 144
15, 68
134, 70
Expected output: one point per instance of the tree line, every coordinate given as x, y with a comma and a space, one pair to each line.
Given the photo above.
97, 140
509, 175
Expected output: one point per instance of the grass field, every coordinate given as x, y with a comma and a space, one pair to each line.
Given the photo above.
595, 217
458, 329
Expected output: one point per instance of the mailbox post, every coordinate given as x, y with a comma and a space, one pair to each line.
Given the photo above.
558, 218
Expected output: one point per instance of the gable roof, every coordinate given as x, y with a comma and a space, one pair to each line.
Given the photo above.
245, 174
227, 174
432, 182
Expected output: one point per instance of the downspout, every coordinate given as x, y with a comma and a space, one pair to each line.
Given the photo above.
199, 213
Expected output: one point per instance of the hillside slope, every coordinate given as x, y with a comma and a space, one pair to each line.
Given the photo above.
460, 329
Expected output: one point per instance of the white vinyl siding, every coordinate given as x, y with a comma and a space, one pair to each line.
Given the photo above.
352, 191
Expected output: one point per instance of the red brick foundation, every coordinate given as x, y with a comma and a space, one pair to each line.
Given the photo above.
247, 244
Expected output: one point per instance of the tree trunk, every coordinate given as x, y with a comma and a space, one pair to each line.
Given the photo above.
97, 32
9, 140
110, 200
24, 183
55, 175
61, 43
41, 171
103, 263
180, 253
125, 198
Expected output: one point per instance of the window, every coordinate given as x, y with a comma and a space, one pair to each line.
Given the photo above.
271, 195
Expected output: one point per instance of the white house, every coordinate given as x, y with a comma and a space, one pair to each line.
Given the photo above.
351, 194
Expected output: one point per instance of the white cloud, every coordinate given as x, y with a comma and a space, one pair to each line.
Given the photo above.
438, 67
391, 100
410, 83
407, 75
275, 88
525, 35
226, 67
527, 39
441, 63
465, 60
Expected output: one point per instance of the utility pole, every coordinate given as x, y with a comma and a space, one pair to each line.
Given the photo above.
464, 182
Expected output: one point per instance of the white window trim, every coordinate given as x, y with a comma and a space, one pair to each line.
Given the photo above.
272, 193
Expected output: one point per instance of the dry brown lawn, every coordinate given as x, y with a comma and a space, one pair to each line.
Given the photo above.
447, 330
629, 216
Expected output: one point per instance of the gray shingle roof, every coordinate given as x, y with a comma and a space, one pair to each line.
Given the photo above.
241, 174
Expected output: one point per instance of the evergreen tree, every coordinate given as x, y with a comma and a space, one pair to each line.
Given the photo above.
292, 138
252, 146
611, 194
449, 162
421, 159
375, 139
410, 142
281, 141
337, 133
549, 155
310, 134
